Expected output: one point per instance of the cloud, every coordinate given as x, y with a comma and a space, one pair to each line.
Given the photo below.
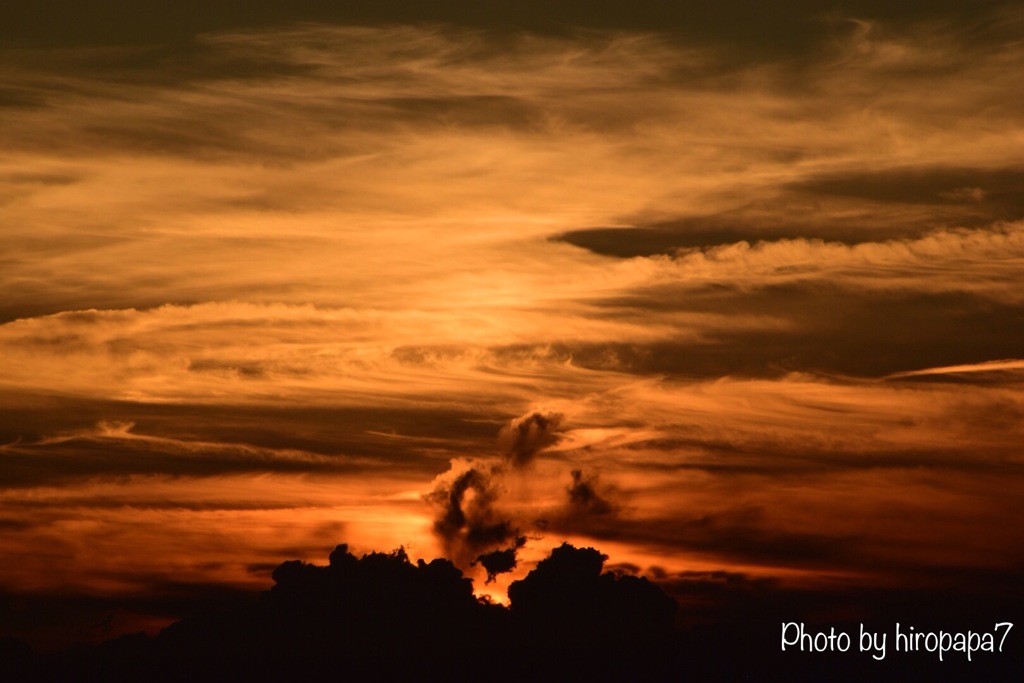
500, 561
992, 366
452, 132
355, 612
257, 353
470, 514
524, 437
851, 207
481, 505
314, 266
584, 496
469, 523
982, 258
112, 448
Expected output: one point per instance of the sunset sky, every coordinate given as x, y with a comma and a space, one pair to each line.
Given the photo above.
724, 290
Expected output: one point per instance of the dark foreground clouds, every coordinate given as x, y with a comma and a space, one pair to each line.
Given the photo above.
383, 617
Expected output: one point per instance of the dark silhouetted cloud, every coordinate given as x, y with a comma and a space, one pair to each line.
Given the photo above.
524, 437
358, 614
584, 496
469, 517
500, 561
469, 523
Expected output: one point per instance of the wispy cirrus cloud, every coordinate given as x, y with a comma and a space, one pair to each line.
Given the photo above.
316, 265
265, 181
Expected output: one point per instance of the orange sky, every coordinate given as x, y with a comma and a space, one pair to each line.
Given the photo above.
265, 291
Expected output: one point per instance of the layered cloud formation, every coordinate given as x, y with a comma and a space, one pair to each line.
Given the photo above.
747, 311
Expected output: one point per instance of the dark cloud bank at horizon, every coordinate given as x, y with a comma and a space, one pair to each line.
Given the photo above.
382, 617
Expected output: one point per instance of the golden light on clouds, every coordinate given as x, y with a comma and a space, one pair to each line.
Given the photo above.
282, 287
